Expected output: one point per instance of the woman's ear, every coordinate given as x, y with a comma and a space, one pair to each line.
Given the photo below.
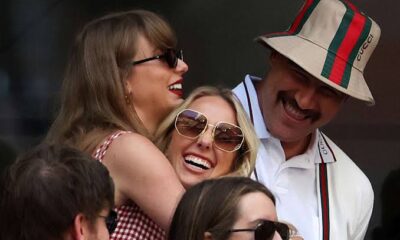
128, 86
207, 236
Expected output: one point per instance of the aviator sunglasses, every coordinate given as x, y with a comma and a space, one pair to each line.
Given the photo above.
111, 221
170, 56
192, 124
265, 230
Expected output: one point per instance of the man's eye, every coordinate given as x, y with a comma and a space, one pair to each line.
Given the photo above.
300, 77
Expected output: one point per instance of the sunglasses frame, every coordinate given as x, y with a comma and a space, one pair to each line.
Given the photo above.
274, 224
111, 221
176, 54
214, 126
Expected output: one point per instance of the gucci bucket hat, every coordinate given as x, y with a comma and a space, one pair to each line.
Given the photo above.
333, 41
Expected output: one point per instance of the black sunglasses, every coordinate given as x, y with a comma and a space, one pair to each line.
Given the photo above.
265, 230
111, 221
191, 124
170, 56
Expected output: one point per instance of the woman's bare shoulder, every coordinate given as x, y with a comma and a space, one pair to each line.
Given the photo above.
132, 147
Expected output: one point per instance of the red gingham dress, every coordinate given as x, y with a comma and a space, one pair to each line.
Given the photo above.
133, 223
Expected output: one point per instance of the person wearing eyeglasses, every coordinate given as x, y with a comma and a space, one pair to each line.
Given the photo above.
208, 136
56, 192
228, 208
315, 66
123, 78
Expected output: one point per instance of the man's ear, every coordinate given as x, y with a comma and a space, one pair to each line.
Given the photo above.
207, 236
274, 55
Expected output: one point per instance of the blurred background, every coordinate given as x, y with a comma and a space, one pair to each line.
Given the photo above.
217, 38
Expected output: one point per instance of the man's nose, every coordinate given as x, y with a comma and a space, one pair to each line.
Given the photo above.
306, 97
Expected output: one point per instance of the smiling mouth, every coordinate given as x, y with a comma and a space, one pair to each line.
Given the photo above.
294, 111
197, 162
176, 88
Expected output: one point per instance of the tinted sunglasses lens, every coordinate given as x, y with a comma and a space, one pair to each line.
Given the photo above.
265, 231
171, 57
228, 137
111, 221
190, 123
283, 230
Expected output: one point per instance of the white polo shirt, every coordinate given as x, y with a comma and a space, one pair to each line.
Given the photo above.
296, 183
294, 199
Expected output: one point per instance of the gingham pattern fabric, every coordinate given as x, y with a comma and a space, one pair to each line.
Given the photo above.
133, 223
100, 152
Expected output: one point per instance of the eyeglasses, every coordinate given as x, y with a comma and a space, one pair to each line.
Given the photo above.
266, 230
111, 221
226, 136
170, 56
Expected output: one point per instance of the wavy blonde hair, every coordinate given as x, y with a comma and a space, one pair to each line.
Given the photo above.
93, 100
245, 162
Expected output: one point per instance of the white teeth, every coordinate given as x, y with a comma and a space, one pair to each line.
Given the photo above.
176, 86
294, 112
198, 161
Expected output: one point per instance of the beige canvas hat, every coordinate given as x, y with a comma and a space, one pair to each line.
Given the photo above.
332, 40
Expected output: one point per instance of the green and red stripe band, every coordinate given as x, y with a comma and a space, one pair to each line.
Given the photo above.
299, 21
324, 192
352, 32
303, 16
323, 179
350, 5
354, 52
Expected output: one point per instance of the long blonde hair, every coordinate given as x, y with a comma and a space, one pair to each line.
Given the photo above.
93, 100
247, 154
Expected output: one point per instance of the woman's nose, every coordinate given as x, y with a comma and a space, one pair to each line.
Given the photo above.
204, 141
277, 236
181, 66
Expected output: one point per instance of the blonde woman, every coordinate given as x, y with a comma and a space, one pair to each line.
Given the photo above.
208, 136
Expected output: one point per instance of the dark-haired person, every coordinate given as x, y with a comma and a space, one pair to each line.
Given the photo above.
54, 192
123, 78
314, 67
227, 208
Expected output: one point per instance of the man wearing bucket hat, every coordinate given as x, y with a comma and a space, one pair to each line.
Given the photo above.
314, 67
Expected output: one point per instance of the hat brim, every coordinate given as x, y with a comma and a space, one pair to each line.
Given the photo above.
311, 58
